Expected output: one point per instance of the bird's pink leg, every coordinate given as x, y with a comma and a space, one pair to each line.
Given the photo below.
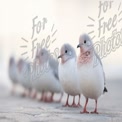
79, 101
42, 97
61, 97
84, 110
49, 99
95, 111
67, 104
74, 104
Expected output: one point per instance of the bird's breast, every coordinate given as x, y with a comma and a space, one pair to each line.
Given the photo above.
91, 80
68, 77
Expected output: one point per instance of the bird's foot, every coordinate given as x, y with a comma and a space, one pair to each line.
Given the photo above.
48, 100
84, 112
66, 105
74, 105
94, 112
79, 105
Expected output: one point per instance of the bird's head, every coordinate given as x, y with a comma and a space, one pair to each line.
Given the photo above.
67, 52
85, 45
43, 55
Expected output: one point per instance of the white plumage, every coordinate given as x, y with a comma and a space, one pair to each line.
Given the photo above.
47, 79
91, 79
25, 75
90, 71
13, 71
68, 77
68, 73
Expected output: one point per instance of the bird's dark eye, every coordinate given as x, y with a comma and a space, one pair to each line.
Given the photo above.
84, 41
65, 51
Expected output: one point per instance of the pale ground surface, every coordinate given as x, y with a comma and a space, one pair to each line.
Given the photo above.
18, 109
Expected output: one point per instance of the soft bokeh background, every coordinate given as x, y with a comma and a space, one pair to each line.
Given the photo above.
70, 18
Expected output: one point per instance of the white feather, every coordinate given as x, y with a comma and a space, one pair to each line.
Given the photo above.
68, 77
24, 76
91, 79
46, 81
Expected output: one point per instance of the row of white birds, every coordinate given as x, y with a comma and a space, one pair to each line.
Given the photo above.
74, 75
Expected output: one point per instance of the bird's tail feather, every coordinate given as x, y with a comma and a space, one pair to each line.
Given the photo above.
105, 90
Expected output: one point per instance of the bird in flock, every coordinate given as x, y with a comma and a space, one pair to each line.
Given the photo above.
24, 76
13, 72
68, 75
47, 80
90, 72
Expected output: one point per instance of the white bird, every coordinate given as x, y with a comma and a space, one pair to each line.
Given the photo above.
68, 73
47, 79
13, 73
90, 72
24, 76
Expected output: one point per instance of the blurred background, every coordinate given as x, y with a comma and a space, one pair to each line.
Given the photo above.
68, 18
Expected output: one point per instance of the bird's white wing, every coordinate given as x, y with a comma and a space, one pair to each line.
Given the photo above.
97, 56
105, 89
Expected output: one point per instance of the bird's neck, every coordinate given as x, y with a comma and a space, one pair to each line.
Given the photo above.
85, 57
66, 59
